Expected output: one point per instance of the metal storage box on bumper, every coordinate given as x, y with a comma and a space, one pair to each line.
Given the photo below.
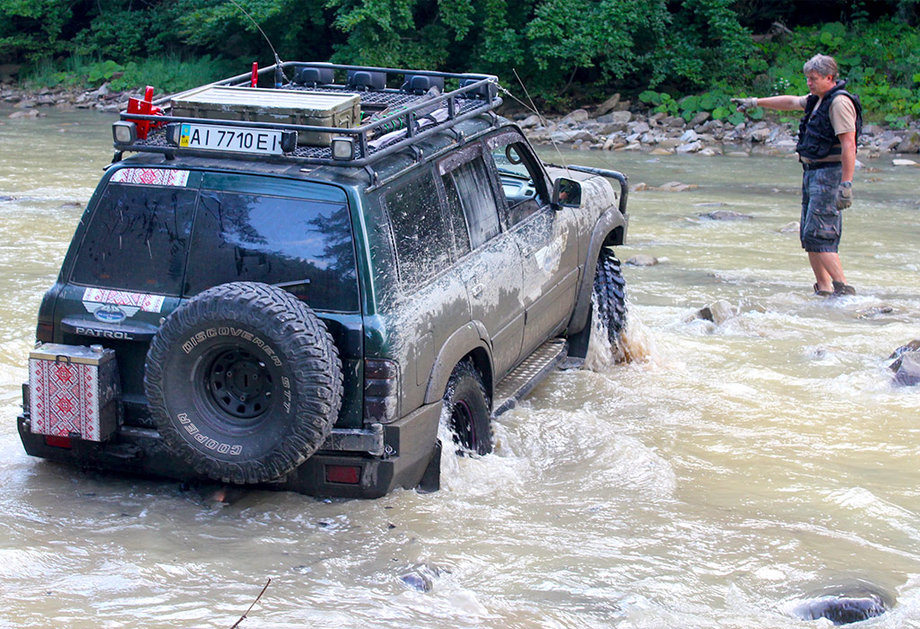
73, 392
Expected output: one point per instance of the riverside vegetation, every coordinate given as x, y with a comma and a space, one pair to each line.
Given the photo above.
675, 64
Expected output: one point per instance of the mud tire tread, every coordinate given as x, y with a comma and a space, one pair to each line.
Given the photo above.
308, 357
610, 294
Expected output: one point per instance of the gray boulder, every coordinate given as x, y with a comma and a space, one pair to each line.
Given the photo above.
907, 368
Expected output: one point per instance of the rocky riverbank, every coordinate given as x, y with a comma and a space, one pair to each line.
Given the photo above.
621, 129
611, 126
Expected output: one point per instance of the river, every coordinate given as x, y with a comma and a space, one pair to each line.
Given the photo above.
720, 476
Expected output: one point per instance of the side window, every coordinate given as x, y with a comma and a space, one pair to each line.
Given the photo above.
521, 178
468, 185
304, 245
423, 241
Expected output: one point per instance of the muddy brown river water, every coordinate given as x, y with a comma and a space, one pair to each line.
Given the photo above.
723, 475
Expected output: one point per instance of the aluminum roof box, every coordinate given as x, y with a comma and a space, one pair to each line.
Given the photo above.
325, 109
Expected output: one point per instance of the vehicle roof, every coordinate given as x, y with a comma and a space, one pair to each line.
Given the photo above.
346, 174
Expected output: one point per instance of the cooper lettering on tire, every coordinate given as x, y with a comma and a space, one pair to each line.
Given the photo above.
243, 382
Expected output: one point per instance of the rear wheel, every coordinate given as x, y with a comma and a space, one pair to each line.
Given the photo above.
466, 405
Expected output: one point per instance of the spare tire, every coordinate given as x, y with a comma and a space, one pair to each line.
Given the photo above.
244, 382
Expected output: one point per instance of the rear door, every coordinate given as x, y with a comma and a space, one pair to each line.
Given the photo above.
491, 264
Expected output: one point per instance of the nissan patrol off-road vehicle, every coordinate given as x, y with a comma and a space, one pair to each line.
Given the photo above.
299, 273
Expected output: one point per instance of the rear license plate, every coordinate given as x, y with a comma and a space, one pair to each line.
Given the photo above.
220, 138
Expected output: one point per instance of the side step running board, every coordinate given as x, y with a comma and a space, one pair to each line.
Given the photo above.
527, 375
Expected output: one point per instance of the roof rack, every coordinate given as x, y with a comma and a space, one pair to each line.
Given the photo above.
240, 111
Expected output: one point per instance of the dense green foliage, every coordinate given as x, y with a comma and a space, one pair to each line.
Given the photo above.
564, 51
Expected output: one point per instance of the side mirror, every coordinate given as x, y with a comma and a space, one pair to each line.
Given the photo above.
566, 193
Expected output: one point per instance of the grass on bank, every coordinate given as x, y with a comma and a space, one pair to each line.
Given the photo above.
168, 74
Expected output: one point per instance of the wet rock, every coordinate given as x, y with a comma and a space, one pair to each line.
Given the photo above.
789, 227
874, 311
718, 312
422, 577
913, 346
841, 610
25, 113
906, 162
676, 186
726, 215
642, 260
907, 369
661, 151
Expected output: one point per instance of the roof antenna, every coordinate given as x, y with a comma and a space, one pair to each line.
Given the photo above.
279, 73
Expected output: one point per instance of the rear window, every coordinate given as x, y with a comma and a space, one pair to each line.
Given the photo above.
304, 245
137, 239
176, 241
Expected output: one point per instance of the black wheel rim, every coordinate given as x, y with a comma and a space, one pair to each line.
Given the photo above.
239, 384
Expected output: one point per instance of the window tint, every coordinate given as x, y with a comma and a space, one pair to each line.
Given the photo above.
304, 245
137, 239
470, 183
423, 242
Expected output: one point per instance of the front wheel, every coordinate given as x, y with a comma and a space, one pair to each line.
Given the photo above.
610, 294
466, 405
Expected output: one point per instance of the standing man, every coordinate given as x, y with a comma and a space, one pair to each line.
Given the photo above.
827, 150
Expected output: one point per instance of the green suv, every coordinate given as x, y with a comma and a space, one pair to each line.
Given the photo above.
299, 274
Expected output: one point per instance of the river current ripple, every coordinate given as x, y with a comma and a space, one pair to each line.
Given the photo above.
717, 479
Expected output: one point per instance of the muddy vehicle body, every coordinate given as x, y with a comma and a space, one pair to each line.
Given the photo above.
293, 301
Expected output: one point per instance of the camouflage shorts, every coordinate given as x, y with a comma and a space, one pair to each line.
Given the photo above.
821, 223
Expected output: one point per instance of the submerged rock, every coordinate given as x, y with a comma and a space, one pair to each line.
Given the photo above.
907, 368
421, 577
841, 610
718, 312
642, 260
727, 215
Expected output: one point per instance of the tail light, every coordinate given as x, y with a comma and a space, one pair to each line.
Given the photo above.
381, 390
345, 474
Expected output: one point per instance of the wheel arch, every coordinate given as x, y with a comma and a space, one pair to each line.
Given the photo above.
609, 231
470, 341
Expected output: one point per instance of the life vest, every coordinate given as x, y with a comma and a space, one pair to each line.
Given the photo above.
817, 139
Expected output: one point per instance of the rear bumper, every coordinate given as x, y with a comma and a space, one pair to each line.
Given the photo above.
410, 444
